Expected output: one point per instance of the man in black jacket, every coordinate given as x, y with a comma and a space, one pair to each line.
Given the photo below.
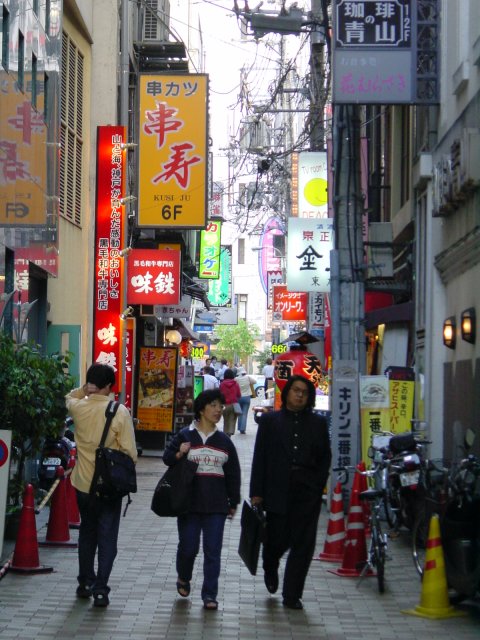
290, 467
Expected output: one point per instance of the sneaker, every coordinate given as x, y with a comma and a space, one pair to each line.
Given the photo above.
84, 591
100, 600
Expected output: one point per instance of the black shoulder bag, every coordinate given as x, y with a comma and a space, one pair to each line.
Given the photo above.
115, 475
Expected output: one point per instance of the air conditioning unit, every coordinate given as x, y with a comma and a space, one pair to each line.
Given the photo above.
156, 20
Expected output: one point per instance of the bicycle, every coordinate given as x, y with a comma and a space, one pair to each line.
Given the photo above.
377, 550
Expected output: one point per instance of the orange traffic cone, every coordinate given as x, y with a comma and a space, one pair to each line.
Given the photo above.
334, 546
57, 530
25, 557
434, 600
355, 554
73, 512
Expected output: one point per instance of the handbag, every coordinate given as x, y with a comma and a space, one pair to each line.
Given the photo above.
237, 409
115, 475
252, 535
172, 495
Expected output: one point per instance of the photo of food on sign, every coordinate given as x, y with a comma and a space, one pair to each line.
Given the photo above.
156, 389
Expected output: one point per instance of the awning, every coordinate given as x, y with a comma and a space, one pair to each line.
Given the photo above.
403, 312
185, 329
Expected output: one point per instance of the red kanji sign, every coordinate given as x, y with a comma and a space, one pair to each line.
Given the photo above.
154, 276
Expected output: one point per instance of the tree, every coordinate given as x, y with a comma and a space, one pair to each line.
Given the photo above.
32, 401
236, 342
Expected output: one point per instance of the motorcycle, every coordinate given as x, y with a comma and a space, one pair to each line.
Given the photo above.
405, 477
55, 453
458, 507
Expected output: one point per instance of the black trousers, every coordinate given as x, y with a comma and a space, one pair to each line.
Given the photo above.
295, 531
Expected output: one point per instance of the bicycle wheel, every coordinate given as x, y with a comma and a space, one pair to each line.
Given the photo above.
419, 541
378, 548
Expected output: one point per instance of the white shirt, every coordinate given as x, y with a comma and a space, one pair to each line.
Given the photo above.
210, 382
268, 370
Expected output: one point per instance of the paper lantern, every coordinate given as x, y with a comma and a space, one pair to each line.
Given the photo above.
297, 361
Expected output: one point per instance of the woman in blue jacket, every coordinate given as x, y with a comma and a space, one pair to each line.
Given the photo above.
215, 493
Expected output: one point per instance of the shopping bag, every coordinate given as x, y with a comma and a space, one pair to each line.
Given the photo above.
237, 409
252, 523
172, 494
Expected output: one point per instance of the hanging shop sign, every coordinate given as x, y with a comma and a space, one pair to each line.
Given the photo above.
216, 200
173, 155
220, 290
269, 256
309, 246
157, 378
209, 259
181, 310
288, 305
109, 240
154, 277
379, 57
312, 193
273, 278
130, 344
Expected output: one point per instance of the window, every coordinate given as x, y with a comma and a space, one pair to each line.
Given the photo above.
5, 36
242, 306
21, 60
35, 7
34, 88
241, 251
47, 17
71, 131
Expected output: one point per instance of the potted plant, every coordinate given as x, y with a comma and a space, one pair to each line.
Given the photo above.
32, 391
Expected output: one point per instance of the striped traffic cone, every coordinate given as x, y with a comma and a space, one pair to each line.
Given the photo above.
58, 534
434, 600
334, 546
73, 512
25, 555
355, 554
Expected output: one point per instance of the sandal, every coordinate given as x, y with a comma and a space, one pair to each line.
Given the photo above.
210, 605
183, 588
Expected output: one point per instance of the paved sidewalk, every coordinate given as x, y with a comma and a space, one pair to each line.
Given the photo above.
145, 605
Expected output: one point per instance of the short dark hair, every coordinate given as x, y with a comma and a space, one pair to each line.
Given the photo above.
310, 388
204, 398
101, 375
228, 374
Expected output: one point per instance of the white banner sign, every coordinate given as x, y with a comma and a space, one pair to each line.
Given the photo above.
308, 255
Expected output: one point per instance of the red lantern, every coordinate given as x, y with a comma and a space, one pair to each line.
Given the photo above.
297, 361
186, 349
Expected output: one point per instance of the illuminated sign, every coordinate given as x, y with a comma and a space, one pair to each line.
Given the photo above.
173, 154
109, 239
154, 277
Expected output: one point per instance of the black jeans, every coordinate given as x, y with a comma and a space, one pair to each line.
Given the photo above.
99, 524
295, 531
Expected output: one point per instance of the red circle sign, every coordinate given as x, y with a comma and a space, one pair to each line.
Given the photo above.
3, 453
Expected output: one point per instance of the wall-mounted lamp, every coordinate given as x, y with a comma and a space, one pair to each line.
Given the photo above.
126, 313
125, 252
467, 325
127, 199
128, 145
449, 337
173, 336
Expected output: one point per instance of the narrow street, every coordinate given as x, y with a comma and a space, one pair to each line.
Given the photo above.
145, 605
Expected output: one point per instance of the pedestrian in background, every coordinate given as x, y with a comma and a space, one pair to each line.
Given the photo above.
291, 462
222, 368
215, 494
268, 371
209, 379
231, 392
99, 519
246, 384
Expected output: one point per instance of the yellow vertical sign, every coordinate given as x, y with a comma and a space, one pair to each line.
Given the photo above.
173, 152
374, 409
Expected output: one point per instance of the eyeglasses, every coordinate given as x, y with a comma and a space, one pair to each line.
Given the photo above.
299, 391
